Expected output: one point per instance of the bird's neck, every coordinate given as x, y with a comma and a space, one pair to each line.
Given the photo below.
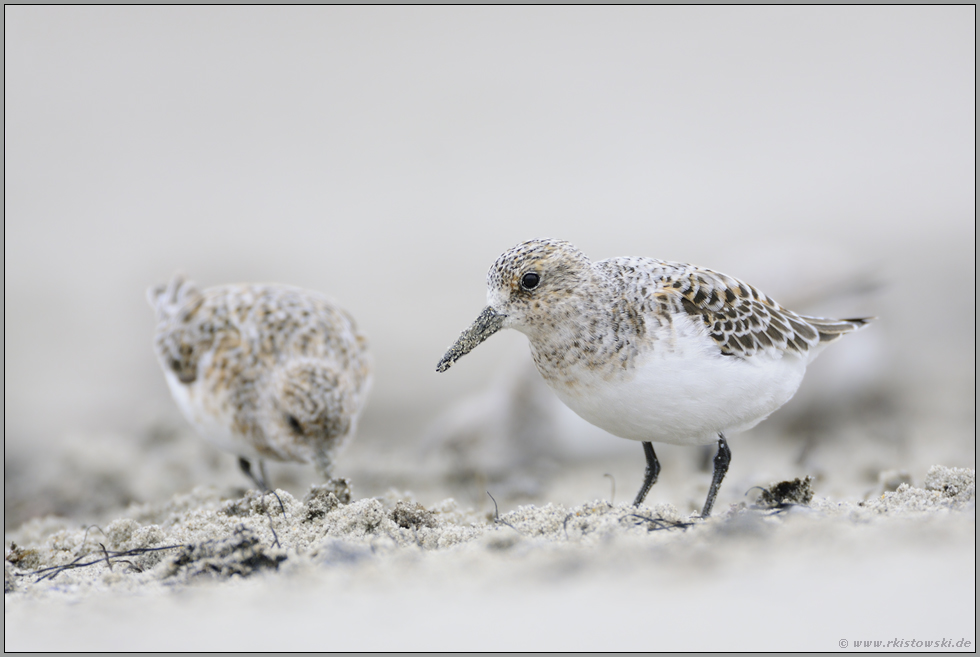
590, 335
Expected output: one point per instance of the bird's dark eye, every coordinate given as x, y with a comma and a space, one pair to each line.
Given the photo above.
294, 424
530, 280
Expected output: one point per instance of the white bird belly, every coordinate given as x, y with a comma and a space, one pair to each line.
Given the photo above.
670, 398
209, 417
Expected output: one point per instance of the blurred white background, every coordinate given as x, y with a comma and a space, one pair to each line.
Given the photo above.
387, 155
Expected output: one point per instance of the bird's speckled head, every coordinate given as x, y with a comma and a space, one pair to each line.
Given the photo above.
532, 287
532, 281
311, 408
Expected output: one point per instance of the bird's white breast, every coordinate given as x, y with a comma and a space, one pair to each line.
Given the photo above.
209, 416
683, 392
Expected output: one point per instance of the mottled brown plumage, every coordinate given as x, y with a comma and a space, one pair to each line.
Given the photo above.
263, 371
651, 350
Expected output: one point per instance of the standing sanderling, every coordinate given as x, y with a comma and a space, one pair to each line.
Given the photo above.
650, 350
263, 371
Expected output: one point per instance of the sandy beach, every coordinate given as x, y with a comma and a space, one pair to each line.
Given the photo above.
219, 568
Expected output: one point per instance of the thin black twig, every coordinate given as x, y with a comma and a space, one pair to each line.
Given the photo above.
58, 569
281, 506
496, 516
657, 524
106, 553
85, 535
132, 566
275, 536
776, 509
53, 571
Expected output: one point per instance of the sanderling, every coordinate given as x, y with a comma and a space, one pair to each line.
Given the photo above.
650, 350
263, 371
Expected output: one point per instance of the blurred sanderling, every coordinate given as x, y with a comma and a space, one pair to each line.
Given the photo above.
263, 371
650, 350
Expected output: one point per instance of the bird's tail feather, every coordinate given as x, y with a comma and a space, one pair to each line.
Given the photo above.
830, 330
168, 299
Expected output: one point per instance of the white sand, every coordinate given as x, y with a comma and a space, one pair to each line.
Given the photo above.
390, 574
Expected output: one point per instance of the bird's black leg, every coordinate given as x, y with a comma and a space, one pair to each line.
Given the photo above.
263, 477
650, 478
722, 459
259, 479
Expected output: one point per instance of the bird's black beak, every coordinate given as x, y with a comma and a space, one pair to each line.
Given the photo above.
488, 323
